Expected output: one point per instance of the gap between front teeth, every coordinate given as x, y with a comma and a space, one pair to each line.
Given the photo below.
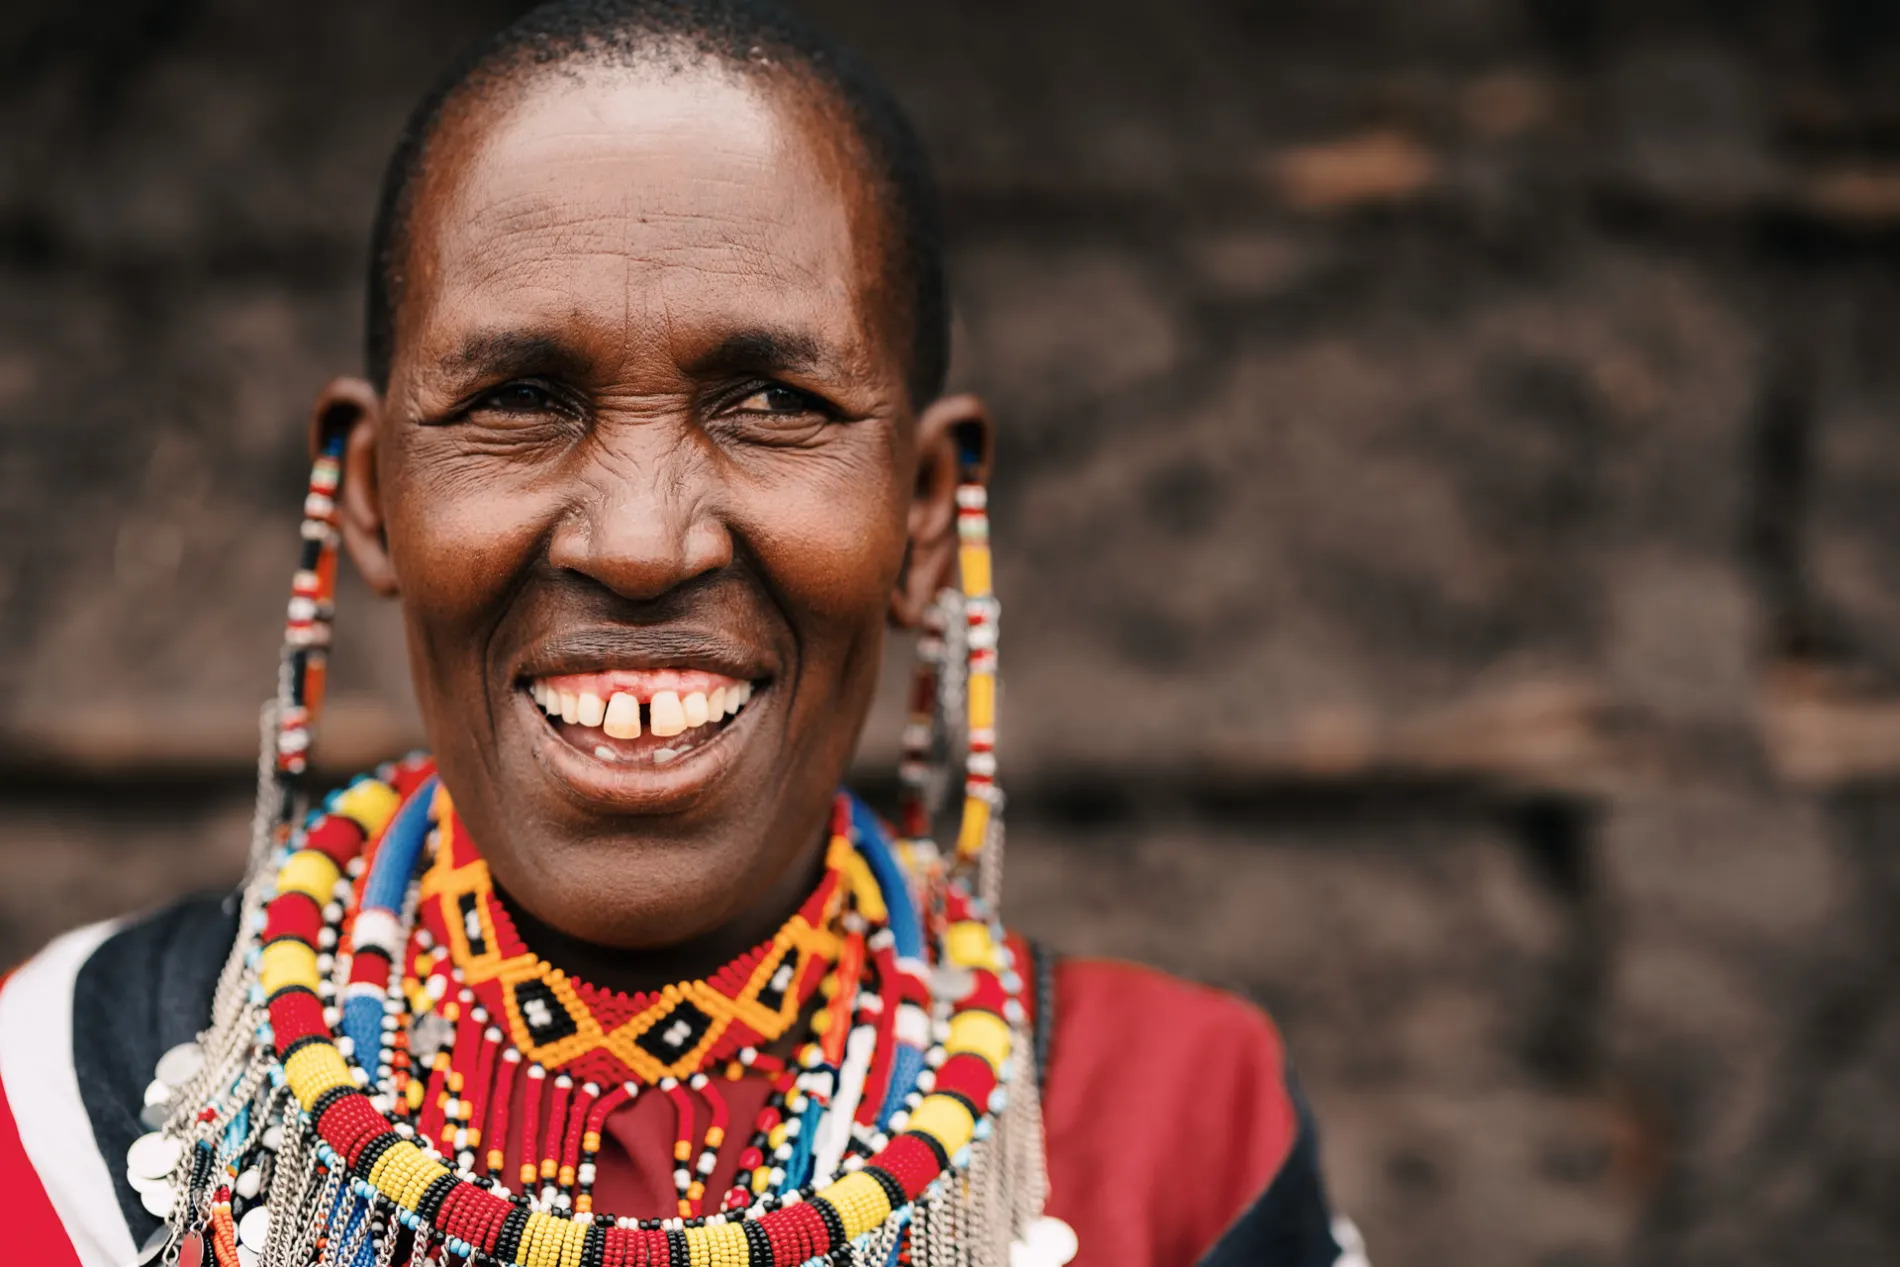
668, 713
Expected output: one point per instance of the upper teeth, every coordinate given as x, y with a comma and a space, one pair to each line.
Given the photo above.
622, 718
668, 713
591, 710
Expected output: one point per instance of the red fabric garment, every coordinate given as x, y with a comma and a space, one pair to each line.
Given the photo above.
635, 1170
1166, 1111
32, 1231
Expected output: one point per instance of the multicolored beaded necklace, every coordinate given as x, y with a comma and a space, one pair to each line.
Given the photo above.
381, 1028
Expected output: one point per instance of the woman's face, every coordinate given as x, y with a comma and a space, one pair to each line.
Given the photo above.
644, 477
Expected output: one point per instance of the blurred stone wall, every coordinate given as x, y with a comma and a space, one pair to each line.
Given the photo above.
1449, 507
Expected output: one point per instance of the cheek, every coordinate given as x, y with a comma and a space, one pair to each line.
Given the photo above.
832, 546
456, 545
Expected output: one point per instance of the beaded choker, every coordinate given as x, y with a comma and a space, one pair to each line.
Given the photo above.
599, 1035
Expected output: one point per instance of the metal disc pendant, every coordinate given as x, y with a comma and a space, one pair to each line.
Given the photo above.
142, 1185
158, 1202
1047, 1242
158, 1105
191, 1250
254, 1228
152, 1156
181, 1064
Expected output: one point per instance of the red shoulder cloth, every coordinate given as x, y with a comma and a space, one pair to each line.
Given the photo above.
1166, 1112
33, 1232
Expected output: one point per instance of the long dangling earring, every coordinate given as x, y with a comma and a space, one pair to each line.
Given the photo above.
953, 698
290, 719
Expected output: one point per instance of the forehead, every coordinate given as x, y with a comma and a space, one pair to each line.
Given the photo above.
652, 209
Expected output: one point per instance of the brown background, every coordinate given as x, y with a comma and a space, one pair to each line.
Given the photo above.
1449, 503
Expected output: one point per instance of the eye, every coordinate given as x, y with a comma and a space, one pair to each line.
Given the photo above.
523, 396
779, 401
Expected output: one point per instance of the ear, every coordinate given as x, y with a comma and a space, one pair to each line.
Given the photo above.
954, 440
351, 407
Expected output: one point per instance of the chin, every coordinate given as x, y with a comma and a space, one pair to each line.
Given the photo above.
627, 891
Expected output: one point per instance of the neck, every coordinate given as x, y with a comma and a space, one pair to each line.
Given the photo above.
654, 968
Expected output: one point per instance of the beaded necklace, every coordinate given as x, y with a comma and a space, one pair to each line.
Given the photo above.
378, 1018
404, 1154
752, 1001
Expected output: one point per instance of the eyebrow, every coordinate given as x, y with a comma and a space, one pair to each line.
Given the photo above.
761, 350
764, 351
513, 352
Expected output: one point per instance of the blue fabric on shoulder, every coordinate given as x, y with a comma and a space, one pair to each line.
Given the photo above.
1291, 1224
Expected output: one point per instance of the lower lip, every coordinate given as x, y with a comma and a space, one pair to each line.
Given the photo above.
626, 787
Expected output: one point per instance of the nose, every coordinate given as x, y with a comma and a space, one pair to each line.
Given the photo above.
642, 527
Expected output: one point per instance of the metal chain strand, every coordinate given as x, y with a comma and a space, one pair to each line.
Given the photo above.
952, 720
291, 1179
1029, 1177
228, 997
354, 1242
989, 863
265, 812
320, 1197
231, 1071
386, 1245
327, 1194
929, 1236
883, 1243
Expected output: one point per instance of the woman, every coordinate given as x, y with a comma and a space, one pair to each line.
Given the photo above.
651, 451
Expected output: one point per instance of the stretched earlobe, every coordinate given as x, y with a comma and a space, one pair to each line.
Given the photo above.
349, 409
954, 442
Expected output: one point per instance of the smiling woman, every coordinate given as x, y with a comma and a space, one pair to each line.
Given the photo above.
652, 452
646, 413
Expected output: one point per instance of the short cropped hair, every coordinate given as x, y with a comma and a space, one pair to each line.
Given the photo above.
739, 34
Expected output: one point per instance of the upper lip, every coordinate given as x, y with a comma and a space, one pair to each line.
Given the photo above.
600, 649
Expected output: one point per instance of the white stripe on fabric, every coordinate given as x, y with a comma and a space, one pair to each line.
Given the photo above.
36, 1069
1352, 1246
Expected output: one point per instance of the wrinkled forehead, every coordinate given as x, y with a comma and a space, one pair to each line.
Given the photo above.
648, 209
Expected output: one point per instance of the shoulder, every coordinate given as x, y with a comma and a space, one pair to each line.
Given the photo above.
1174, 1056
1173, 1122
82, 1025
1153, 1017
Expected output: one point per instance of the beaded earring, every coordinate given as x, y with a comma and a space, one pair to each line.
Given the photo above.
289, 721
952, 720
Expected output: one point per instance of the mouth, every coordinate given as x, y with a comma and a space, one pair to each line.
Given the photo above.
640, 719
